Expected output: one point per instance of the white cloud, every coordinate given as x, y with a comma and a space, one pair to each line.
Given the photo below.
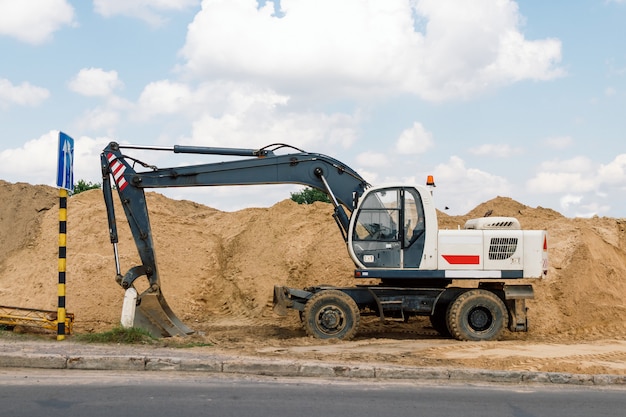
594, 208
95, 82
520, 59
371, 176
571, 203
613, 172
569, 200
462, 188
223, 114
24, 94
464, 48
230, 114
564, 176
314, 132
581, 186
98, 119
41, 167
372, 159
496, 150
164, 97
560, 182
414, 140
216, 98
86, 156
150, 11
34, 21
41, 157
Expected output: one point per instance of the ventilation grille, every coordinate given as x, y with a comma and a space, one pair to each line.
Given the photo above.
493, 223
502, 248
503, 224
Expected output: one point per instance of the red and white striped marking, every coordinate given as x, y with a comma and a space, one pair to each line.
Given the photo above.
117, 168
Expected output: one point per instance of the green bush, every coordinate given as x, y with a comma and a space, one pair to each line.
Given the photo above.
83, 185
309, 196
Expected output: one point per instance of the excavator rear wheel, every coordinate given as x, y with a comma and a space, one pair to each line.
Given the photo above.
477, 315
331, 314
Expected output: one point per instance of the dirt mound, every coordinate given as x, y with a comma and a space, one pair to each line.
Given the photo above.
23, 206
211, 263
216, 264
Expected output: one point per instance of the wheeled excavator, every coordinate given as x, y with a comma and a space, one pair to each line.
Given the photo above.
391, 234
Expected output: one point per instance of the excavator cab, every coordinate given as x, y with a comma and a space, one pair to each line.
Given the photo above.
388, 229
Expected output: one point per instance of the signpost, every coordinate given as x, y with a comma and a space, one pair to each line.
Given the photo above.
65, 182
65, 172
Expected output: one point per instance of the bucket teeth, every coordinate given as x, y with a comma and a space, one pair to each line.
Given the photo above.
155, 315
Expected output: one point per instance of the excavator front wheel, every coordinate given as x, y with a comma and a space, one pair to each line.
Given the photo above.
331, 314
477, 315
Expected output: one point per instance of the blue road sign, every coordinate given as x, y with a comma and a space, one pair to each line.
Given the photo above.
65, 165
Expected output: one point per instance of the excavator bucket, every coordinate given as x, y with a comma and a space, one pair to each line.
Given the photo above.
155, 315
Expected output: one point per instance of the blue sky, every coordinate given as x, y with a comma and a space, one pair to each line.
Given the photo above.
494, 98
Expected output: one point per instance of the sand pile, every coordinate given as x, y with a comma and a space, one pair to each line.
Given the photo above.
216, 264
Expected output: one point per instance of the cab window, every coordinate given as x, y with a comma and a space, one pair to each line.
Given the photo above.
379, 217
413, 217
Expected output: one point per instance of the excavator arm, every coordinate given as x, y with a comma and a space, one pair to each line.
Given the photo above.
257, 166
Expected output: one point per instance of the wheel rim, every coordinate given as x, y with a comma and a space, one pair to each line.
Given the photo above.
331, 320
480, 319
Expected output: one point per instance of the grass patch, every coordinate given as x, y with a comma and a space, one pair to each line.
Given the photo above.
117, 335
120, 335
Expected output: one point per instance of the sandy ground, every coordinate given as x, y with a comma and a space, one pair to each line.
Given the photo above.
416, 344
218, 270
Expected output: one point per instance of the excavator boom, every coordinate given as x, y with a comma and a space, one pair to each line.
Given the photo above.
257, 166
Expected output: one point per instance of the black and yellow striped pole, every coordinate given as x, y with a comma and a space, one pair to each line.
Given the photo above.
62, 263
65, 182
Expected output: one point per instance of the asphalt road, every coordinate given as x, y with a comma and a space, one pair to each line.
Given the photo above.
67, 393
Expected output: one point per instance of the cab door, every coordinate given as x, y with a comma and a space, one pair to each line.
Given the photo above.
388, 229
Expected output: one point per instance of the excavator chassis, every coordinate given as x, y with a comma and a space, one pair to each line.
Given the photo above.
386, 302
400, 303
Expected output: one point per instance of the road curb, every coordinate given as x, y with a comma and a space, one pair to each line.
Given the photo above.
294, 368
107, 363
43, 361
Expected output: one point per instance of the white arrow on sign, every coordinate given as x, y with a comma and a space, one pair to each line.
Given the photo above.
65, 176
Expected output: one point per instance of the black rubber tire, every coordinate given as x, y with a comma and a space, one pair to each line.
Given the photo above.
477, 315
331, 314
439, 320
